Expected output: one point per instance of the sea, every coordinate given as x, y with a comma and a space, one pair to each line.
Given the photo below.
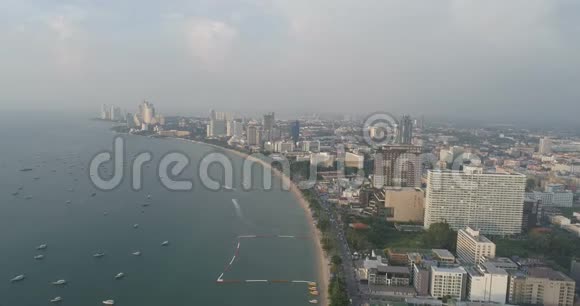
55, 203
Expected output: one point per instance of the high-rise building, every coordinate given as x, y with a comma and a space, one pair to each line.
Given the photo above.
225, 116
532, 214
541, 286
104, 112
487, 283
490, 202
545, 146
295, 131
147, 112
473, 248
216, 128
237, 129
268, 122
253, 135
448, 282
398, 166
405, 130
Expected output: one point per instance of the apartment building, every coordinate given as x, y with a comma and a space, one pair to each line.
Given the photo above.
472, 247
490, 202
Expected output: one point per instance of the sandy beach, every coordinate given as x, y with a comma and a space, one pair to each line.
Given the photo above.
322, 260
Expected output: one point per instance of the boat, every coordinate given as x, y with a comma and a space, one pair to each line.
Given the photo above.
68, 202
56, 299
313, 301
28, 197
20, 188
165, 243
135, 225
98, 255
106, 213
26, 170
42, 247
145, 205
15, 193
315, 293
137, 253
109, 302
93, 194
39, 257
120, 275
311, 283
59, 282
148, 196
18, 278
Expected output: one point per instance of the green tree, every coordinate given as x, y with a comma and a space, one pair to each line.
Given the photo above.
440, 235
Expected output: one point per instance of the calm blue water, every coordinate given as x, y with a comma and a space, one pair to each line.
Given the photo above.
201, 225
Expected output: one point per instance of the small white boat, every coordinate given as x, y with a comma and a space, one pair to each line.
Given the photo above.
18, 278
109, 302
135, 225
68, 201
165, 243
120, 275
148, 196
56, 299
59, 282
98, 255
39, 257
313, 301
137, 253
42, 247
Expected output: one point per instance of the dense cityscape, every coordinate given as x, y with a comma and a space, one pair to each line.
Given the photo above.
417, 212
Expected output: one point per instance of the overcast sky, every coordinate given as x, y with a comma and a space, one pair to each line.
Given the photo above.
477, 58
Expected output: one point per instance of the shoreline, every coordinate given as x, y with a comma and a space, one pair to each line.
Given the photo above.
322, 260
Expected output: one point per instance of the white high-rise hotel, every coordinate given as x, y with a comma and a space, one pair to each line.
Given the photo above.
490, 202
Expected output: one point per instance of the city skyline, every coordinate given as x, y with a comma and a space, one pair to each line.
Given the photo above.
435, 59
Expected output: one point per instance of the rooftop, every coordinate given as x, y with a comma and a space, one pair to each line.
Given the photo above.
448, 269
443, 253
548, 273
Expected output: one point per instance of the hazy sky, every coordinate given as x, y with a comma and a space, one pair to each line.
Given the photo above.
484, 57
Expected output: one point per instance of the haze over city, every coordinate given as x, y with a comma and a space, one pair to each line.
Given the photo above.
465, 59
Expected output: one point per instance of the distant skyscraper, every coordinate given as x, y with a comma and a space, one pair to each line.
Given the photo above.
216, 128
253, 135
237, 128
490, 202
545, 146
104, 112
147, 112
405, 130
295, 130
398, 166
268, 121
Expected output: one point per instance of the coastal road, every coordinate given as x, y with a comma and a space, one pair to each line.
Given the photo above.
337, 228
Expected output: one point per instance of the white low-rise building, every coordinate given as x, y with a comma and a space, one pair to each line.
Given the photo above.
473, 248
487, 283
448, 281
